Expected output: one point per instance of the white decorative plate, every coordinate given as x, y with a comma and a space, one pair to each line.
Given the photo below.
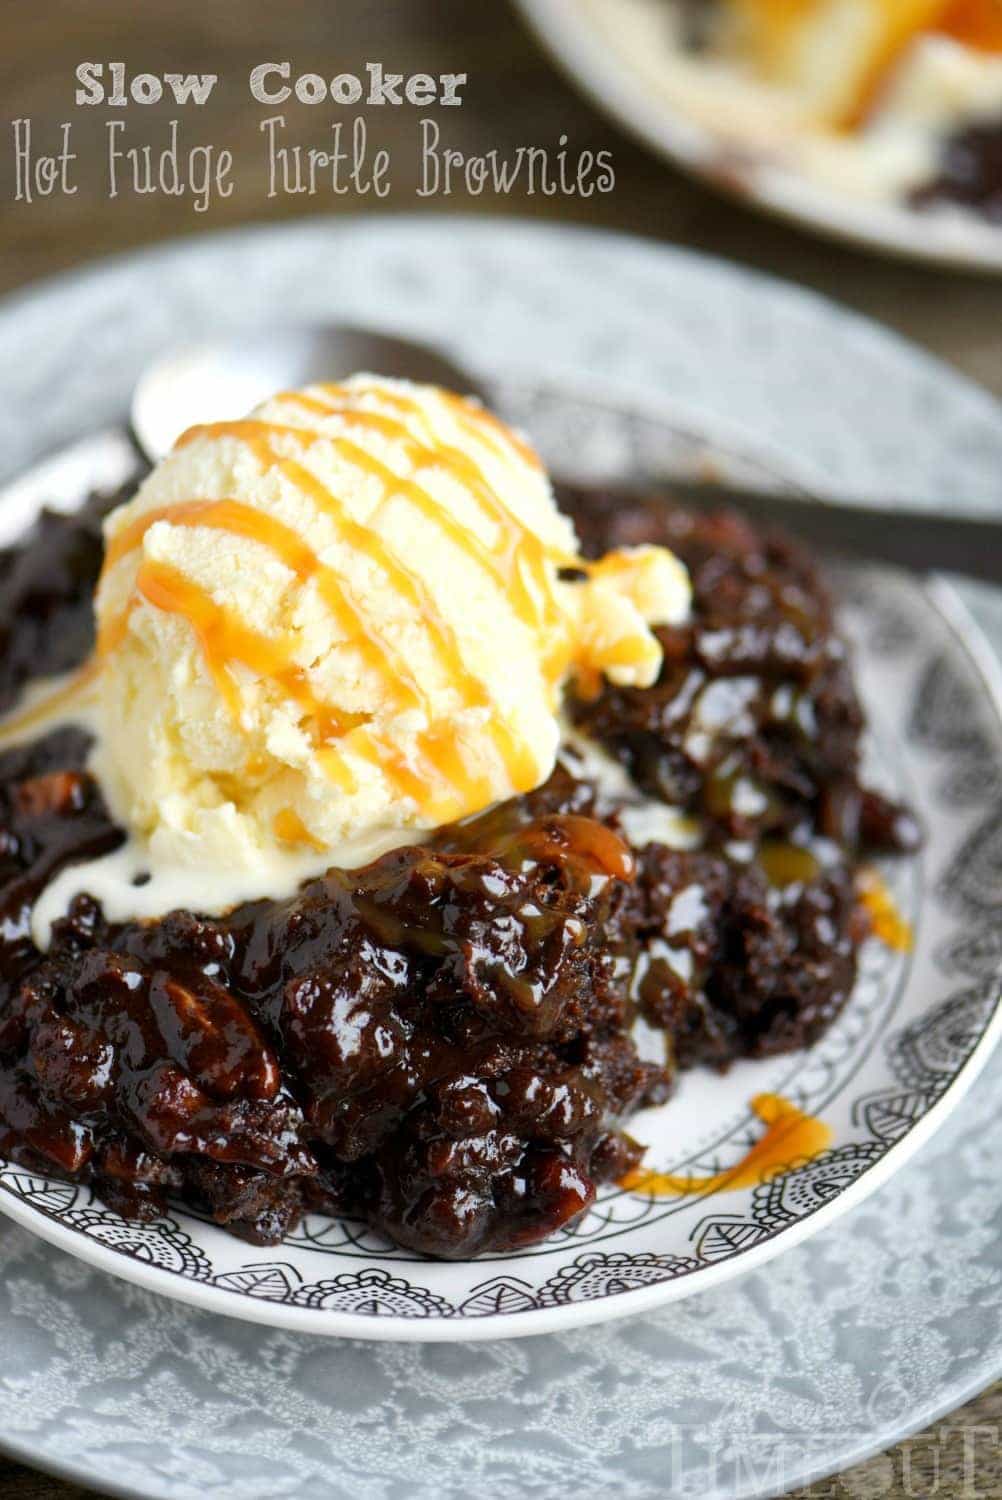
909, 1044
874, 1328
622, 76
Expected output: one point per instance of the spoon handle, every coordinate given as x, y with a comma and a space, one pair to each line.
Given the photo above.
919, 540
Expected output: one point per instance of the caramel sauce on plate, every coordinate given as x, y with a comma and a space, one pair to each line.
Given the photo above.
791, 1138
886, 921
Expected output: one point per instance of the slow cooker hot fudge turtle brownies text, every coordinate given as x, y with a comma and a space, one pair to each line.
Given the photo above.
462, 790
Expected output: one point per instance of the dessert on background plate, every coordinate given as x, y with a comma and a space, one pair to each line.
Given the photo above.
876, 121
881, 101
400, 831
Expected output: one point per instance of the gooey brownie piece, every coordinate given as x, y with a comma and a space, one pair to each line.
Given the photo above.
441, 1043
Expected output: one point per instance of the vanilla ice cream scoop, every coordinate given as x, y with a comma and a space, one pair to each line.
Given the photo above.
345, 620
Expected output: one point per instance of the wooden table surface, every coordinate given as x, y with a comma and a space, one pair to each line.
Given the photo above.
514, 96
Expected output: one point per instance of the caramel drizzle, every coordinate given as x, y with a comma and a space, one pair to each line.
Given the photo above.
520, 556
791, 1138
476, 420
901, 29
437, 746
225, 639
237, 519
289, 828
974, 23
977, 23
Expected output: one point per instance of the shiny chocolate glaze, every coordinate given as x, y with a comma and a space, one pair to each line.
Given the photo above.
440, 1043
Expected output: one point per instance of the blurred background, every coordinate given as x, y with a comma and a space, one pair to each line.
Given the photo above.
515, 96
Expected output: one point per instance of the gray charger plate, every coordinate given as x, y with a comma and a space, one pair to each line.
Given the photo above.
746, 1390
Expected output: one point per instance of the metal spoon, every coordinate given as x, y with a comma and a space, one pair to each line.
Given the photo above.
213, 382
220, 381
223, 380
